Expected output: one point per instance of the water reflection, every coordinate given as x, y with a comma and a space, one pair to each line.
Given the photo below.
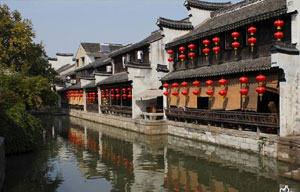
80, 155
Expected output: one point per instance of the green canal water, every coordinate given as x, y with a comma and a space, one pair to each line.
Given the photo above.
82, 156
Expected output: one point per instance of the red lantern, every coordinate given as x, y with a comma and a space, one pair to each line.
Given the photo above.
196, 83
252, 41
244, 93
117, 90
216, 50
124, 90
182, 57
112, 96
235, 35
106, 90
170, 52
223, 93
184, 92
216, 40
209, 83
191, 47
166, 93
235, 45
192, 55
206, 42
103, 96
129, 96
206, 51
129, 89
170, 59
244, 81
279, 35
261, 79
279, 23
196, 92
107, 95
184, 84
252, 30
118, 96
209, 92
80, 95
175, 85
260, 91
102, 91
166, 85
222, 82
181, 49
175, 93
81, 91
124, 96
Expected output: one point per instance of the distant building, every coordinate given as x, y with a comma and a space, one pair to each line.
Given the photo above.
61, 60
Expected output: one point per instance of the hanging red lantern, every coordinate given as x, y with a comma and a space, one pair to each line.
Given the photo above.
235, 35
223, 93
191, 47
117, 90
80, 95
184, 92
129, 89
209, 83
279, 23
235, 45
206, 42
182, 57
260, 90
106, 90
184, 84
129, 96
182, 49
261, 79
175, 85
103, 96
252, 30
166, 93
124, 90
175, 93
170, 52
107, 95
112, 90
252, 41
278, 35
206, 51
112, 96
196, 92
222, 82
102, 91
81, 91
244, 93
118, 96
170, 59
216, 50
216, 40
244, 81
196, 83
166, 85
192, 55
209, 92
124, 96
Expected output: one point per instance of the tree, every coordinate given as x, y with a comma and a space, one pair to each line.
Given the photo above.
25, 81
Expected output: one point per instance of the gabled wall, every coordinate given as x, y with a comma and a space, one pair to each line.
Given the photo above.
198, 16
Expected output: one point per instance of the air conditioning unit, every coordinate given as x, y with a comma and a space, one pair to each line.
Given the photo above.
73, 81
108, 69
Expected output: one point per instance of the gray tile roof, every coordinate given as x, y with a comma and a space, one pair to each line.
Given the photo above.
240, 15
259, 64
91, 47
74, 87
156, 35
116, 78
205, 5
98, 49
104, 60
179, 25
282, 47
90, 85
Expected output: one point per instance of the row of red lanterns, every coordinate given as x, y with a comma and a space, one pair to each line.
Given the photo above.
71, 92
243, 91
74, 96
117, 96
116, 90
252, 40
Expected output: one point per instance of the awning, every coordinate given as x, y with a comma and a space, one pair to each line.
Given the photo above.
149, 94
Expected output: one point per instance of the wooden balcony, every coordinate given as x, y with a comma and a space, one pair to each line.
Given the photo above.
266, 120
117, 110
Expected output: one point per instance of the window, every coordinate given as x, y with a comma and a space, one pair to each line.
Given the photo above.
82, 60
202, 102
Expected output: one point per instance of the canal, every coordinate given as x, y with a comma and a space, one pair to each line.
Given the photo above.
78, 155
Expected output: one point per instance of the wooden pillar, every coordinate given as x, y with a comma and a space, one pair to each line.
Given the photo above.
84, 100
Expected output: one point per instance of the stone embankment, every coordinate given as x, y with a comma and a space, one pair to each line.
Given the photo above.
282, 148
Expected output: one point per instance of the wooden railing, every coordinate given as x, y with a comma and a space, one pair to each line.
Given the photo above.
92, 107
117, 110
231, 117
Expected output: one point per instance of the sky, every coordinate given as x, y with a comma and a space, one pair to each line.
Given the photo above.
62, 24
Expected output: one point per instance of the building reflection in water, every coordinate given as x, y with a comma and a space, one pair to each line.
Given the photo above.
135, 162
